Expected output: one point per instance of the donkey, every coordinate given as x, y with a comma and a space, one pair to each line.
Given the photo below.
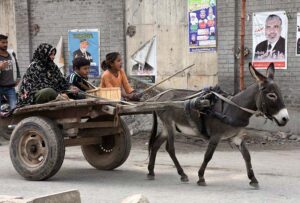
227, 123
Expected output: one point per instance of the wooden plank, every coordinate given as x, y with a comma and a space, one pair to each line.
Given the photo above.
57, 105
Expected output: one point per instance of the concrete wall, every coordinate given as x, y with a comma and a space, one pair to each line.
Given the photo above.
55, 17
167, 20
229, 26
7, 22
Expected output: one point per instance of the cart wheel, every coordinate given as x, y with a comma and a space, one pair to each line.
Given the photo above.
5, 133
37, 148
113, 150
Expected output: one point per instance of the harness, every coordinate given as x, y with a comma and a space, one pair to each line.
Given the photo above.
261, 105
261, 111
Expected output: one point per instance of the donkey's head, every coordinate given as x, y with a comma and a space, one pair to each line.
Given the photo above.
269, 99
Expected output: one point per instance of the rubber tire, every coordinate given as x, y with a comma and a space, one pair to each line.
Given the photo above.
5, 133
109, 160
53, 141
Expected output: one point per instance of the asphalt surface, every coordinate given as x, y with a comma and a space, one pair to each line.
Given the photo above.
278, 172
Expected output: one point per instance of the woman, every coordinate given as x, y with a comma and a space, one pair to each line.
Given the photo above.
42, 81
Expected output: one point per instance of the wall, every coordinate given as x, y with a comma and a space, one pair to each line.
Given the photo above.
7, 22
168, 20
288, 80
55, 17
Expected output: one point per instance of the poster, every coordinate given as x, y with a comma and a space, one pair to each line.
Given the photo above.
59, 56
85, 43
202, 18
270, 39
298, 35
143, 62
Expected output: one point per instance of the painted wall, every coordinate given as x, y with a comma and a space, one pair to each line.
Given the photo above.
168, 20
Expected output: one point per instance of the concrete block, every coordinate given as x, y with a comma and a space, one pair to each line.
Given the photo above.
71, 196
138, 198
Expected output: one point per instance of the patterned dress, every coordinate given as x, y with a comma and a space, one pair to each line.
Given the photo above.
41, 73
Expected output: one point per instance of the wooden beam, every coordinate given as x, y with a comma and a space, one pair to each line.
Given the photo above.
103, 124
82, 141
148, 107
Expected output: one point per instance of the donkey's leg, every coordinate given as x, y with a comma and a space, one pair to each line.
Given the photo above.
171, 150
212, 145
246, 155
159, 140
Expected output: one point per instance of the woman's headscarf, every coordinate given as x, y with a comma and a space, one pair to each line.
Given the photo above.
42, 73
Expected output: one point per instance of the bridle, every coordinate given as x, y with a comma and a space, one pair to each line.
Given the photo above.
261, 105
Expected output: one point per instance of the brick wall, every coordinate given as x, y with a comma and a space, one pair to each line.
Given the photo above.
228, 39
56, 17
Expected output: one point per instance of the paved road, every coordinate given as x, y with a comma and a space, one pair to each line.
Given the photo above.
278, 172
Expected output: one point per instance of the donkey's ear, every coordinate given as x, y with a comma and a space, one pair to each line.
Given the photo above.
271, 71
255, 74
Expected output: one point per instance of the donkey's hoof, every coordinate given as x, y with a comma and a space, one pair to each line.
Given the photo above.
150, 177
184, 179
254, 184
201, 182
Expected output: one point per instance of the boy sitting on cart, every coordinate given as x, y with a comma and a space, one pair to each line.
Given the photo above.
79, 78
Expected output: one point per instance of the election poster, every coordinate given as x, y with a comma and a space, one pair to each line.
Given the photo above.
270, 39
202, 16
85, 43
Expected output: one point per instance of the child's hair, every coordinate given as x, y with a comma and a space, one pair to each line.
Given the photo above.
79, 62
110, 58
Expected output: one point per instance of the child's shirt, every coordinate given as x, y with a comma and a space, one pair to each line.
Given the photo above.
78, 81
110, 80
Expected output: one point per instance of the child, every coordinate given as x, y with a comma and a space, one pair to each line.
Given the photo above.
79, 77
114, 76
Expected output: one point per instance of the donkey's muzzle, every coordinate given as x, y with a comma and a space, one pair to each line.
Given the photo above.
282, 117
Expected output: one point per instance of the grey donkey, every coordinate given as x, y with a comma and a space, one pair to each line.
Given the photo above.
223, 122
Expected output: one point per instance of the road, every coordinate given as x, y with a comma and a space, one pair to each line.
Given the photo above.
278, 172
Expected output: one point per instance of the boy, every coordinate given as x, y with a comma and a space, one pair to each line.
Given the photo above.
79, 77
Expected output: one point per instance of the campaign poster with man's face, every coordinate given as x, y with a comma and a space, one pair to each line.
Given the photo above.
85, 43
270, 39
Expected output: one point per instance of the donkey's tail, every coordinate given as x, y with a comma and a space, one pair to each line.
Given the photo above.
153, 133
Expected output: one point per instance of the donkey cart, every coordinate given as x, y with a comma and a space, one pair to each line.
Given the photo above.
37, 144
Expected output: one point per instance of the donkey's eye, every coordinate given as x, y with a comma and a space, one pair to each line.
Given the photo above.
272, 96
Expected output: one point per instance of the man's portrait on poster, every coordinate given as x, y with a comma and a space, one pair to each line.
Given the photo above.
274, 45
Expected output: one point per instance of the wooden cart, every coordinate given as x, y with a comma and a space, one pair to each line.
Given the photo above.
37, 144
